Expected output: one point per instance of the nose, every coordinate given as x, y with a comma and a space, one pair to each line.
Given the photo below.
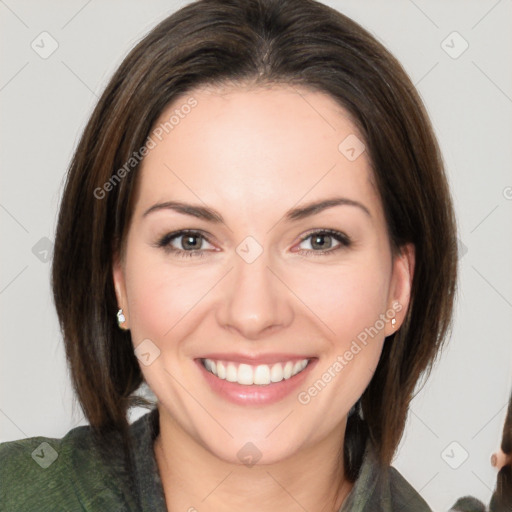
255, 301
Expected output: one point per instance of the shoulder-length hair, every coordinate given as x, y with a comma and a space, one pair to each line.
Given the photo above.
259, 42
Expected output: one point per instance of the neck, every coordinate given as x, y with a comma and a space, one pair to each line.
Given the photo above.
196, 480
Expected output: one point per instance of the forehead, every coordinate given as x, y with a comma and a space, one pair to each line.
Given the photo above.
255, 149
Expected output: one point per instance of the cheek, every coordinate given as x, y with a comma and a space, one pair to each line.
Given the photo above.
161, 294
352, 304
347, 298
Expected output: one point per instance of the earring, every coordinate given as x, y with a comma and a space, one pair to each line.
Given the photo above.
121, 319
393, 322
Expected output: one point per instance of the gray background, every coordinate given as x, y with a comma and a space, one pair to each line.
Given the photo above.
45, 102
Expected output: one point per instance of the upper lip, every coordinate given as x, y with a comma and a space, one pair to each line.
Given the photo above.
255, 359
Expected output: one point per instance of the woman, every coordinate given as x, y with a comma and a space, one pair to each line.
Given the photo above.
284, 344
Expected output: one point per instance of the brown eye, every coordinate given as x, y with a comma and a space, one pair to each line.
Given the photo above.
190, 242
322, 242
183, 243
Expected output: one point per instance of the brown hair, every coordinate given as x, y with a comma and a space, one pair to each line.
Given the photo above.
258, 42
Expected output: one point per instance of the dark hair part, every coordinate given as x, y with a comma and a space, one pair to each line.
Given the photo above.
258, 43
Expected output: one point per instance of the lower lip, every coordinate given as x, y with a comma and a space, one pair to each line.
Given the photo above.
255, 394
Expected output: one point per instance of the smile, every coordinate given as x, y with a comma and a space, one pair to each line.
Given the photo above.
248, 375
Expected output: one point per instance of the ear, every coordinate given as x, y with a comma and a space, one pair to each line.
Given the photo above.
118, 276
401, 283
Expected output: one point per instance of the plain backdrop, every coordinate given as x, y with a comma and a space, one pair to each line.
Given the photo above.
458, 53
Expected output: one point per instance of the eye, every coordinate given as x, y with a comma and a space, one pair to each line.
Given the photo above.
190, 242
323, 241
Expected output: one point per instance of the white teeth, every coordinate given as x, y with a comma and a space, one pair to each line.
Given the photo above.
221, 369
287, 372
262, 374
297, 367
248, 375
231, 373
276, 374
210, 366
245, 375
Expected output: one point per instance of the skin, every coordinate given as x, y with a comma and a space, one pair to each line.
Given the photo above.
500, 459
252, 154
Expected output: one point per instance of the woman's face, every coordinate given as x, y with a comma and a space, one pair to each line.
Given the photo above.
256, 290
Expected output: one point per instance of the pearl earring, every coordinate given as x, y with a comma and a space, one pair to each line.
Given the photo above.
121, 319
393, 322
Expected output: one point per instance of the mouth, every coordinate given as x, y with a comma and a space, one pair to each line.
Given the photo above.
259, 375
256, 382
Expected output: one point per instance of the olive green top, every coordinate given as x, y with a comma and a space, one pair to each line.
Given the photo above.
43, 474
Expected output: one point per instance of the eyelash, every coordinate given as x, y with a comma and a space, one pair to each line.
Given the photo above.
165, 241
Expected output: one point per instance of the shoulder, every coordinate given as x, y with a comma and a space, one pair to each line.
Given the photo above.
393, 492
44, 473
403, 495
381, 488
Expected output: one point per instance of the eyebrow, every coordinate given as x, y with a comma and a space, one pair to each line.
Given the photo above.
211, 215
